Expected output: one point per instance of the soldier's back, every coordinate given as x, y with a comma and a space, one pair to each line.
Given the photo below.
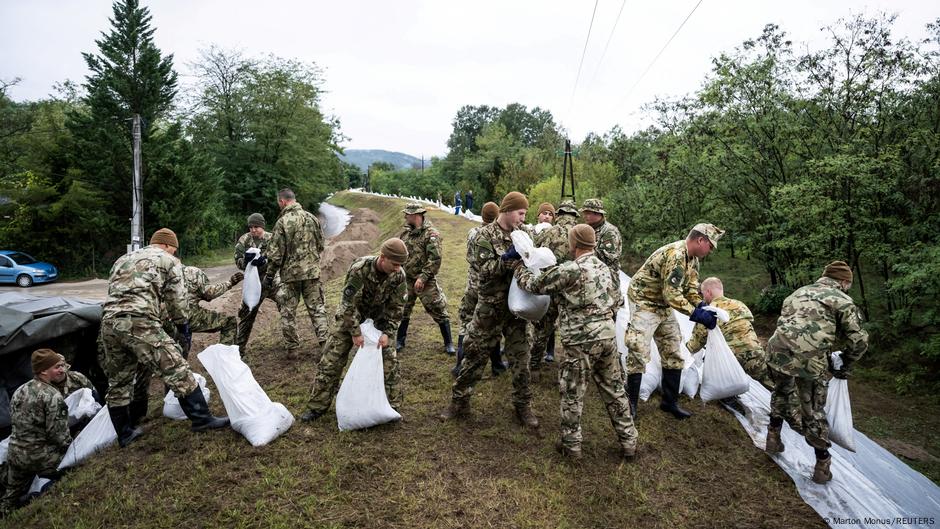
137, 282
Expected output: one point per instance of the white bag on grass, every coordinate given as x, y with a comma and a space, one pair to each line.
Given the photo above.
361, 401
81, 404
722, 374
251, 286
251, 411
95, 437
839, 409
171, 404
653, 376
692, 375
526, 305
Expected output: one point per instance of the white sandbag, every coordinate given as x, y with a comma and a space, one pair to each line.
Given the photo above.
722, 375
534, 258
839, 410
251, 286
692, 375
4, 445
95, 437
251, 411
81, 404
361, 401
526, 305
171, 404
653, 376
542, 226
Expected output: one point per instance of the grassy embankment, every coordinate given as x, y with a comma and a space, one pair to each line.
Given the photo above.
485, 472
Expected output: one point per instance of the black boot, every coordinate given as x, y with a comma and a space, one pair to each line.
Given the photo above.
670, 402
456, 368
633, 392
195, 407
120, 418
496, 359
402, 334
137, 411
550, 350
448, 341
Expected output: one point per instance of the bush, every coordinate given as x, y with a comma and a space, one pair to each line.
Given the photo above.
770, 299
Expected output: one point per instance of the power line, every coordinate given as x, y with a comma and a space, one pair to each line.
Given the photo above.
583, 53
607, 45
666, 45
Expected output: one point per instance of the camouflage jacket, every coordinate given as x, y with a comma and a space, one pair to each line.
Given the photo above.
494, 274
556, 237
609, 246
815, 320
473, 274
424, 251
40, 421
245, 242
198, 287
295, 245
143, 280
738, 330
369, 293
669, 278
582, 288
73, 382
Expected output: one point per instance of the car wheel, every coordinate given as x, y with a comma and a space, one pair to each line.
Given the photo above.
24, 281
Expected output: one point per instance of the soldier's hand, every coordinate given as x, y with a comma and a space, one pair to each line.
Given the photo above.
383, 341
186, 335
419, 285
237, 278
359, 341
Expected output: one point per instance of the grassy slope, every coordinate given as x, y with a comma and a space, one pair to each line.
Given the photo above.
486, 472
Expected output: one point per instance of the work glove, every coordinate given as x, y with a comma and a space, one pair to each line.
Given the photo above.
841, 374
259, 261
510, 254
237, 278
186, 335
703, 316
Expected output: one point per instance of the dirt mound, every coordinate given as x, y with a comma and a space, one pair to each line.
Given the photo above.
339, 255
364, 226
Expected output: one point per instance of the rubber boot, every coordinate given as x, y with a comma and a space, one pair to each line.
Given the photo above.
120, 418
445, 333
402, 334
570, 453
774, 445
136, 411
628, 453
458, 409
821, 472
550, 350
311, 415
633, 392
525, 416
496, 360
456, 368
195, 407
670, 401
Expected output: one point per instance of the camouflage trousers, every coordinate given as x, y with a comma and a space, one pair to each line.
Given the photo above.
755, 365
133, 346
812, 403
332, 363
492, 320
616, 296
467, 304
19, 474
246, 317
433, 299
600, 361
204, 320
312, 293
648, 324
539, 333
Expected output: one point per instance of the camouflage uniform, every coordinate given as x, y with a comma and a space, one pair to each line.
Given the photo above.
202, 319
72, 382
294, 252
424, 262
556, 239
40, 420
469, 300
739, 333
246, 317
609, 247
582, 288
492, 318
812, 320
140, 285
667, 280
367, 293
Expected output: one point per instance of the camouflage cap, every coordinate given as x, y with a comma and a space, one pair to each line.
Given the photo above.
709, 230
256, 219
413, 208
593, 204
568, 207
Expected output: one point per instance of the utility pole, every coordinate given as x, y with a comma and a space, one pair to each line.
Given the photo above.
567, 172
137, 199
422, 163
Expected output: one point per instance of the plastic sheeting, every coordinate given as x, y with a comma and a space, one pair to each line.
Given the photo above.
335, 219
361, 401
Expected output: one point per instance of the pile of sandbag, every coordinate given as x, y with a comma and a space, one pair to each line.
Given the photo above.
528, 306
361, 401
171, 404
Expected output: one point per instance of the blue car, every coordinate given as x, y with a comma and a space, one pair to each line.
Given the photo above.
22, 269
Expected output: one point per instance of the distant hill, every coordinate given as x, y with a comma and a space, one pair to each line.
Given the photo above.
363, 158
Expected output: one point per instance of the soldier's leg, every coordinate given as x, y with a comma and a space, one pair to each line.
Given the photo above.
605, 370
435, 304
17, 481
205, 320
467, 304
162, 355
410, 301
639, 335
313, 300
755, 365
572, 382
330, 367
290, 297
668, 340
541, 331
392, 371
246, 320
119, 363
812, 404
483, 335
140, 400
517, 351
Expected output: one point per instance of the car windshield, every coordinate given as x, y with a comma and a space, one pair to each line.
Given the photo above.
21, 258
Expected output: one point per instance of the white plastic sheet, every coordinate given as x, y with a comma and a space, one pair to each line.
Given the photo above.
839, 410
526, 305
81, 404
171, 404
251, 411
361, 401
251, 286
692, 375
95, 437
722, 374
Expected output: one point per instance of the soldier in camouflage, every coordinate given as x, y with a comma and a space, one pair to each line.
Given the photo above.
609, 245
294, 253
469, 301
72, 382
813, 320
424, 262
202, 319
40, 421
555, 239
256, 237
667, 280
494, 256
141, 284
375, 288
582, 289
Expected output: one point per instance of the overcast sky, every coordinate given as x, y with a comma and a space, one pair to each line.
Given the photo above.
397, 72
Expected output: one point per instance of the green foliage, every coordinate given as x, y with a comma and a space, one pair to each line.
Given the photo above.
771, 298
